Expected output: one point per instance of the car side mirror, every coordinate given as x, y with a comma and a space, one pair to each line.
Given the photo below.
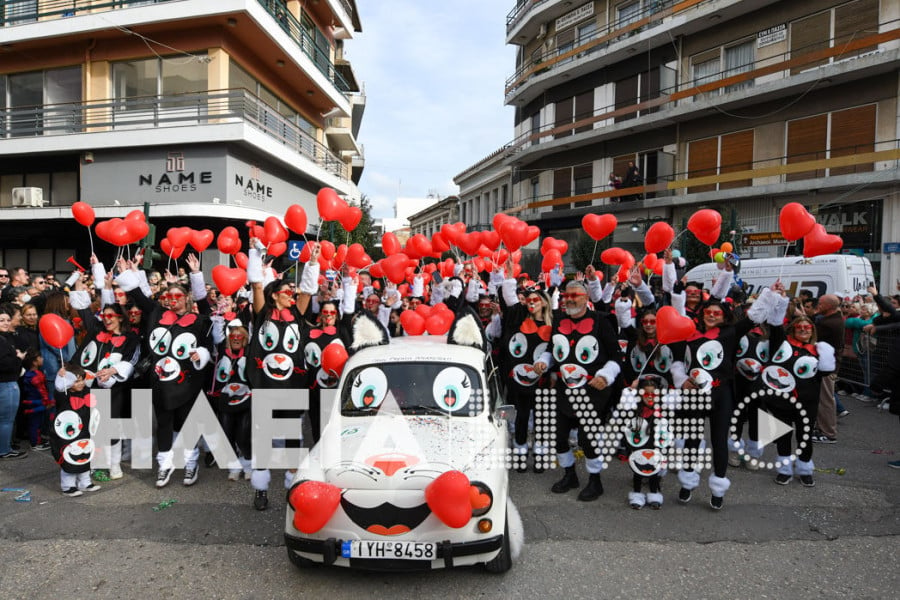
506, 412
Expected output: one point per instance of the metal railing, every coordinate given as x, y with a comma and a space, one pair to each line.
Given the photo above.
21, 12
522, 8
176, 110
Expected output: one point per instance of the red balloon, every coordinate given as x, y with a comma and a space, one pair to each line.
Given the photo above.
795, 221
490, 239
447, 268
135, 215
137, 230
275, 231
170, 250
179, 236
259, 233
295, 219
376, 271
424, 310
352, 217
706, 225
599, 226
551, 243
394, 267
314, 503
658, 237
117, 232
357, 257
55, 330
671, 327
327, 249
420, 245
340, 256
228, 280
818, 242
438, 323
201, 240
452, 232
334, 357
450, 499
438, 244
650, 261
532, 233
331, 206
552, 258
276, 249
514, 233
469, 242
83, 213
229, 241
412, 322
240, 259
390, 244
613, 256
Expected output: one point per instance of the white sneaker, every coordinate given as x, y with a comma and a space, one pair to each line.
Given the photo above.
163, 476
190, 475
248, 475
115, 472
234, 475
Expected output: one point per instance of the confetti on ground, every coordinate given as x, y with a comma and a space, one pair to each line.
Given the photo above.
100, 476
164, 505
23, 494
880, 451
837, 471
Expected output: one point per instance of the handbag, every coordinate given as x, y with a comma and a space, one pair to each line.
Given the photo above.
144, 366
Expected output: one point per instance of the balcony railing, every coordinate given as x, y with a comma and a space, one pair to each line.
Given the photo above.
522, 8
858, 159
21, 12
177, 110
727, 81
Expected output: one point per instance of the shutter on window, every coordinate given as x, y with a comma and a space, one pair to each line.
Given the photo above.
584, 108
806, 141
702, 159
808, 35
563, 116
562, 186
626, 95
854, 21
852, 132
583, 176
737, 155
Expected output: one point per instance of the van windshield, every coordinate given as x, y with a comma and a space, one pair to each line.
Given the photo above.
415, 387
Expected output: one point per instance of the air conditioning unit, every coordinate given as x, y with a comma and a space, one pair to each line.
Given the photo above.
28, 196
542, 32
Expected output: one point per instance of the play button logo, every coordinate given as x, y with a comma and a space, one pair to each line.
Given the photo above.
770, 428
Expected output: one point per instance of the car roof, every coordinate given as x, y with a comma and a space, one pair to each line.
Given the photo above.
418, 348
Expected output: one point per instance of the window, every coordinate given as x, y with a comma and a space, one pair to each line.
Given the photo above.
739, 59
562, 186
719, 63
26, 97
583, 179
565, 42
841, 133
584, 108
627, 13
20, 11
849, 21
728, 153
535, 189
564, 116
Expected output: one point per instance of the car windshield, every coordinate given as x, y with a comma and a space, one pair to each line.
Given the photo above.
418, 388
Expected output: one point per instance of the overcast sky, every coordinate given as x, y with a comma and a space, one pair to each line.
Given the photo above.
434, 74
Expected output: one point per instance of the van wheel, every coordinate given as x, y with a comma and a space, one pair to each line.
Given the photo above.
503, 561
299, 561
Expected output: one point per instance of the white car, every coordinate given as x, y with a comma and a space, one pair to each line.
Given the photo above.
411, 469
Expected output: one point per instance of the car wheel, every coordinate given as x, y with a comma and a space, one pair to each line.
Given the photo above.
503, 561
299, 561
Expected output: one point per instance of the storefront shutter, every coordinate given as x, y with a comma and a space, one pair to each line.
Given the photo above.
737, 155
806, 141
702, 159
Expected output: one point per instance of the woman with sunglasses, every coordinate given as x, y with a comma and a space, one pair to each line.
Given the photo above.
709, 359
107, 354
525, 338
275, 354
231, 395
180, 341
794, 377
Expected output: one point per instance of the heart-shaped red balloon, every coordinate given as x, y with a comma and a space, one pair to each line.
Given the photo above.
438, 244
229, 241
490, 240
201, 240
275, 231
117, 232
276, 249
438, 322
352, 217
514, 233
356, 256
179, 236
671, 327
818, 242
137, 230
83, 213
228, 280
295, 219
375, 271
394, 267
327, 249
613, 256
136, 215
795, 221
449, 499
331, 206
706, 225
412, 322
552, 258
599, 226
658, 237
314, 503
452, 232
170, 250
55, 330
390, 244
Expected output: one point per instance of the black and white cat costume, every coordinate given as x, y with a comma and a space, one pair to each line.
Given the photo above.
70, 442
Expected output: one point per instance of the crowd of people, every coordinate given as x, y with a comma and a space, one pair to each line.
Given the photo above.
597, 345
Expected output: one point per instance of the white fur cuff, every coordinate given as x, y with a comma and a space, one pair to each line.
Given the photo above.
80, 299
827, 362
128, 280
689, 480
719, 485
609, 372
309, 279
254, 266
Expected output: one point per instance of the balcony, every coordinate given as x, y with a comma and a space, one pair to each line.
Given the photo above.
339, 132
735, 88
24, 12
166, 117
652, 27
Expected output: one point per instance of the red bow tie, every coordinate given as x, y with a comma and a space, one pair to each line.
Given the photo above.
284, 314
529, 326
171, 318
77, 403
567, 326
230, 316
710, 334
104, 337
328, 330
798, 344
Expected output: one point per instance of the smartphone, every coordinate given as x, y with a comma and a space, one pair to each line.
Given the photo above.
436, 277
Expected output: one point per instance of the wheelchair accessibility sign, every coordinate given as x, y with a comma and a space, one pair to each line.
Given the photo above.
295, 247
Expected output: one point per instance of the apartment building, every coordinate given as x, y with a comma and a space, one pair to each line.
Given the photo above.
211, 113
738, 105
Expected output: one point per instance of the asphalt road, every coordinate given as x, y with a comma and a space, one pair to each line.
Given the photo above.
838, 539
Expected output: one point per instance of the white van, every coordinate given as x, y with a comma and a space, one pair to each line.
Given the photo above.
841, 274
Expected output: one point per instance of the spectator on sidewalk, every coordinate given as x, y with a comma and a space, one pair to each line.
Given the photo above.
829, 329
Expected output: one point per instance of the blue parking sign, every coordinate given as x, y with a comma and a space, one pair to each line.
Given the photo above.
295, 247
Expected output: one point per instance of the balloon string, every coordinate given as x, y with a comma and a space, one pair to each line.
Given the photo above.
647, 362
781, 267
593, 252
91, 238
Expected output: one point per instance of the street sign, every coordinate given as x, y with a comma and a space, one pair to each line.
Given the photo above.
891, 248
295, 247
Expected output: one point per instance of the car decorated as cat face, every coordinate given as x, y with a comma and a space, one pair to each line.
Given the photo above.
410, 472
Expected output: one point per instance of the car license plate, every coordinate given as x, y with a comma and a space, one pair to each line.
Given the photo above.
389, 550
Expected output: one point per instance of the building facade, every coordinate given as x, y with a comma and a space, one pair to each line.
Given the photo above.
737, 105
210, 113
